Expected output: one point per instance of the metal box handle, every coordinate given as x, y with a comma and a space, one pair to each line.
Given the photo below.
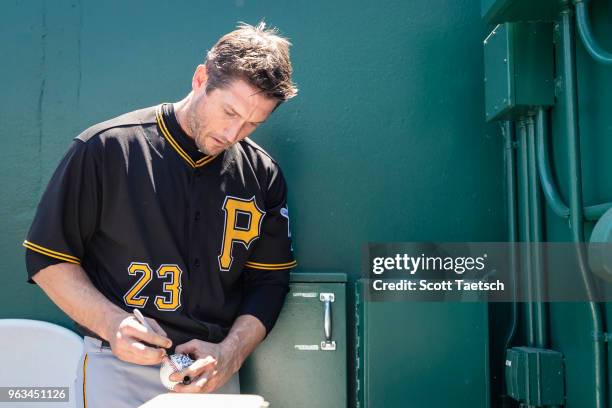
327, 299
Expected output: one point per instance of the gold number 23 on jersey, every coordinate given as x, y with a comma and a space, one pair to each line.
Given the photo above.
171, 274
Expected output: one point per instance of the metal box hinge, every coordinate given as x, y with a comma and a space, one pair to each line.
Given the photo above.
602, 336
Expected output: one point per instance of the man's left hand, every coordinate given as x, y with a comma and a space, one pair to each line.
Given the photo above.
215, 364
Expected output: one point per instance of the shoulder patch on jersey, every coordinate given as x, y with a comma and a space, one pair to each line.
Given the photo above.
138, 117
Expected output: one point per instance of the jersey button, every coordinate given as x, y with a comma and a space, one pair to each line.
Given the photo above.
197, 172
197, 216
196, 262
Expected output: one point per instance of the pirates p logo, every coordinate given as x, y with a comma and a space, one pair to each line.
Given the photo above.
234, 232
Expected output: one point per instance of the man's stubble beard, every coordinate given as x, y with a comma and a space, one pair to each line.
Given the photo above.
194, 128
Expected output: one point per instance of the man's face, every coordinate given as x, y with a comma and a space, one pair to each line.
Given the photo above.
226, 115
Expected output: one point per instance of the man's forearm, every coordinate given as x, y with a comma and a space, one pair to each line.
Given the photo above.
69, 287
246, 333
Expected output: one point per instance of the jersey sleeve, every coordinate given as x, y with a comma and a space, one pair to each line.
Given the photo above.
273, 249
266, 273
67, 214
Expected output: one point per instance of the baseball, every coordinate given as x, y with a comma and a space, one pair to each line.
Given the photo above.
172, 364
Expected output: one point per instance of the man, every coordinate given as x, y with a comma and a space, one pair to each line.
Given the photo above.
174, 211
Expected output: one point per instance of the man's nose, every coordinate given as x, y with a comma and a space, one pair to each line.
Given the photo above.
231, 134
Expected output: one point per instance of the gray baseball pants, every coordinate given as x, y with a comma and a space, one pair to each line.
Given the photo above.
105, 381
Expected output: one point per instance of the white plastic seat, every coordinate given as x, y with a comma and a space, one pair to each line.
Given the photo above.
38, 354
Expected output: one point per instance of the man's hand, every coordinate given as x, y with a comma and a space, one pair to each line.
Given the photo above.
69, 287
131, 341
215, 364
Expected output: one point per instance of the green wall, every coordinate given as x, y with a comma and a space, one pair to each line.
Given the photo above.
570, 327
385, 142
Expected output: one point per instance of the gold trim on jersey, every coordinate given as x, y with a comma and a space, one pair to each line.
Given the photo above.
53, 254
85, 381
159, 117
270, 267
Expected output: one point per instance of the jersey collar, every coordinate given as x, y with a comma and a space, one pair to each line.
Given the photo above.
177, 138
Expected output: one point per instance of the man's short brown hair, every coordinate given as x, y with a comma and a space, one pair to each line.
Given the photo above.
256, 54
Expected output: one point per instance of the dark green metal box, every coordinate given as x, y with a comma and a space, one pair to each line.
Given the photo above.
302, 363
535, 376
412, 354
500, 11
518, 69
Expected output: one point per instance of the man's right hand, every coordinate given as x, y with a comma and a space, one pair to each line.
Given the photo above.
131, 341
70, 288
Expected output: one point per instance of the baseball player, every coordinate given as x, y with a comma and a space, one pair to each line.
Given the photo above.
173, 211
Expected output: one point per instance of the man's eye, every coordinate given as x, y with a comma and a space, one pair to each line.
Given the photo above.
230, 114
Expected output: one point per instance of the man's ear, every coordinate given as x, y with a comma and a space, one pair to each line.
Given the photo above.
200, 78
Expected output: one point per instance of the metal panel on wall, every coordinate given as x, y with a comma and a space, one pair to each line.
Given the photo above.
297, 366
421, 354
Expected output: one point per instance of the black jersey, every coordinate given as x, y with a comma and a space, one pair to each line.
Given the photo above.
192, 240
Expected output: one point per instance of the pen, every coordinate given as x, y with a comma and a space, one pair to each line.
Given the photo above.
144, 322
